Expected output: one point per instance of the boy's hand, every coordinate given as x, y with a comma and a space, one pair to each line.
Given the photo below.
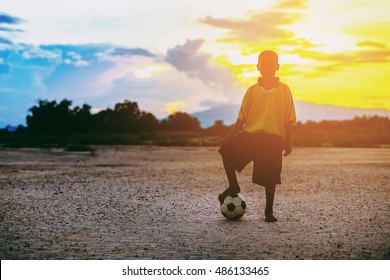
287, 149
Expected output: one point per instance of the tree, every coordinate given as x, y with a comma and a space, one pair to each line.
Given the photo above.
82, 118
126, 117
219, 128
50, 117
147, 122
180, 121
102, 121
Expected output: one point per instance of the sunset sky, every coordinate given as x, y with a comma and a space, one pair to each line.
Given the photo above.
189, 55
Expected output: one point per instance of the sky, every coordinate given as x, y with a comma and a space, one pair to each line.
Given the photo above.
187, 55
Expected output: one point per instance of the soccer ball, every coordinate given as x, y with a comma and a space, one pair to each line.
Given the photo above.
233, 207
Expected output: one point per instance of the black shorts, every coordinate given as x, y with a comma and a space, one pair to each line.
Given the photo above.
265, 150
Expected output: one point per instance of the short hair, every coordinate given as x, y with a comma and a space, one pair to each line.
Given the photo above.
268, 55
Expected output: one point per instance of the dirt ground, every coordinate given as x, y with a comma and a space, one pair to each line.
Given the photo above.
138, 202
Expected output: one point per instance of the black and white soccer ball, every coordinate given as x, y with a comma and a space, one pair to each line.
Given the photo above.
233, 207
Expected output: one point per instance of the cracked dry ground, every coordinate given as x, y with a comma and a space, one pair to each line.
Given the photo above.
140, 202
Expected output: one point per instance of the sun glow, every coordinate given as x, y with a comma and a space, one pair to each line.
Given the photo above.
330, 52
174, 106
149, 71
293, 59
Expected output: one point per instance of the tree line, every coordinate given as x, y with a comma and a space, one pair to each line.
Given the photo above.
57, 118
115, 126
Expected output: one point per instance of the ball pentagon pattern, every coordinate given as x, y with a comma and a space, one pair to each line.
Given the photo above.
233, 207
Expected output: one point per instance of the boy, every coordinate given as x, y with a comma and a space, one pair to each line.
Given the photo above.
261, 133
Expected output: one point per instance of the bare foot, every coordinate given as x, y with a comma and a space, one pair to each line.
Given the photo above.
270, 218
228, 191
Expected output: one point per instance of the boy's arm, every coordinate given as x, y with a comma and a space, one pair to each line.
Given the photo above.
238, 126
287, 139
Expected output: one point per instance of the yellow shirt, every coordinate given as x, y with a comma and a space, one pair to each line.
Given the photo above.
267, 111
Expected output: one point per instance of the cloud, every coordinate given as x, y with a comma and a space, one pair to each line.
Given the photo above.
154, 93
100, 75
378, 53
8, 19
35, 52
262, 26
185, 76
5, 41
197, 65
75, 59
154, 90
370, 52
131, 52
371, 44
87, 51
265, 29
292, 4
6, 29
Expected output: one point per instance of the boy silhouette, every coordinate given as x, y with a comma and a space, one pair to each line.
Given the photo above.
262, 131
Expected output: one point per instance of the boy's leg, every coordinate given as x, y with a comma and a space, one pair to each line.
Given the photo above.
269, 196
232, 179
236, 154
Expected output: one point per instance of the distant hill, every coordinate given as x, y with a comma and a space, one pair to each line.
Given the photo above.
305, 111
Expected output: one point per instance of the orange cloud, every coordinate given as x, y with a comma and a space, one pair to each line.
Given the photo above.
263, 26
327, 63
292, 4
378, 53
372, 44
265, 29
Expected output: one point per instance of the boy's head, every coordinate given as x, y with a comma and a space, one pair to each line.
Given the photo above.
268, 63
